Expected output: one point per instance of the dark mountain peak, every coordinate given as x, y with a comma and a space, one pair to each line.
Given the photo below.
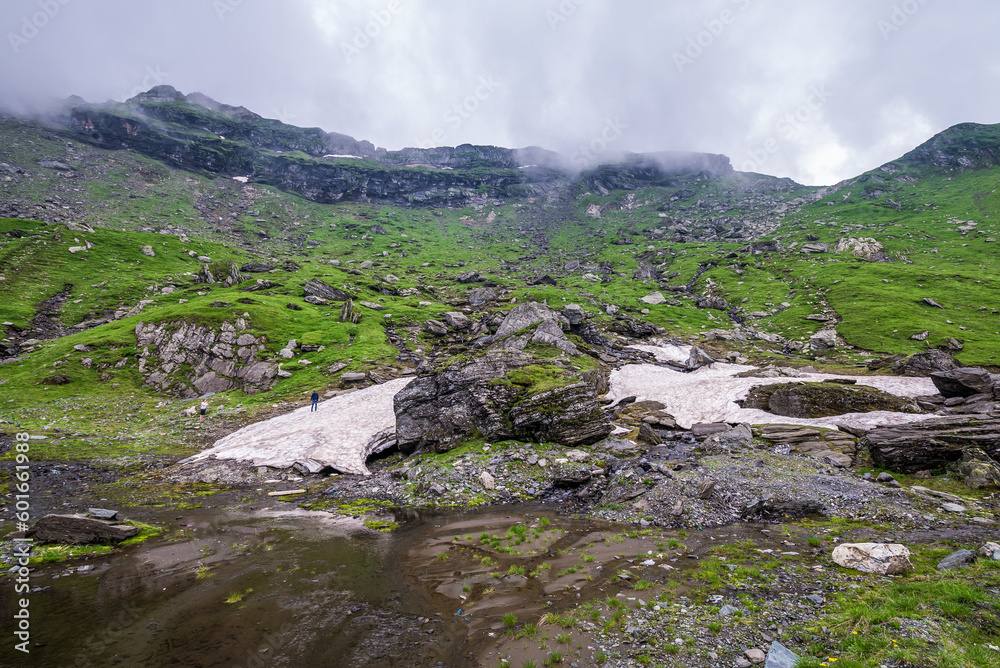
162, 93
963, 146
205, 101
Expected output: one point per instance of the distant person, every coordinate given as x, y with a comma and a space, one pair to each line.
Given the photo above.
315, 400
204, 409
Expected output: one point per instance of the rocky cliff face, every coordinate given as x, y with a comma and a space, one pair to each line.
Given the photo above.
188, 360
195, 132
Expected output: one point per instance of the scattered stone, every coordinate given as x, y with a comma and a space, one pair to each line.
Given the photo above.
779, 656
991, 551
457, 319
78, 530
653, 298
958, 559
878, 558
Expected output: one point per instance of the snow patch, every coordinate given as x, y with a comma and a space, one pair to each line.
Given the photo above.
709, 394
342, 433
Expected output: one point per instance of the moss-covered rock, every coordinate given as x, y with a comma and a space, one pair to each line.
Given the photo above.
978, 470
815, 400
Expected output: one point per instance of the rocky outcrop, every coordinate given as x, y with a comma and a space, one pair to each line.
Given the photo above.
933, 443
815, 400
79, 530
964, 382
532, 323
925, 363
830, 445
977, 470
187, 360
323, 290
501, 395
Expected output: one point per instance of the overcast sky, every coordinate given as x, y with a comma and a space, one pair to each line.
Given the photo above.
816, 91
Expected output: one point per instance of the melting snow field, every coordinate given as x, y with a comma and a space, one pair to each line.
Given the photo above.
342, 433
348, 429
709, 394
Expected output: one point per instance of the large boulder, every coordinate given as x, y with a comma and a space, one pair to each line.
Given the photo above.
815, 400
878, 558
978, 470
925, 363
501, 395
318, 288
963, 382
532, 323
523, 316
78, 530
934, 443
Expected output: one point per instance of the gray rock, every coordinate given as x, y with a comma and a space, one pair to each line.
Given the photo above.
525, 315
78, 530
318, 288
481, 296
574, 313
779, 656
257, 267
437, 411
990, 551
469, 277
823, 339
653, 298
958, 559
924, 363
933, 443
977, 469
697, 359
963, 382
879, 558
435, 327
